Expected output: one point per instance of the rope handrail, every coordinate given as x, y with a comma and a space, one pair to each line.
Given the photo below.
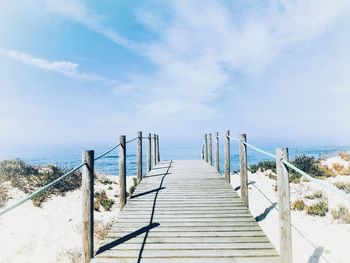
40, 190
329, 187
107, 152
132, 140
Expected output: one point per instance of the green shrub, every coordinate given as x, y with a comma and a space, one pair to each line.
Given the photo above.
342, 186
314, 195
342, 214
298, 205
263, 166
307, 164
320, 208
133, 187
102, 200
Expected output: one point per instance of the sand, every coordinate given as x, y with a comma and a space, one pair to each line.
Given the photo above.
327, 240
51, 233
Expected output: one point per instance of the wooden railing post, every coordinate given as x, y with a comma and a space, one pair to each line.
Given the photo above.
210, 150
227, 156
205, 148
139, 156
158, 154
217, 160
149, 153
88, 205
155, 149
284, 206
243, 169
122, 171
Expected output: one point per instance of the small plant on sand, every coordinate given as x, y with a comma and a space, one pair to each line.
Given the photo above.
341, 214
263, 166
101, 199
345, 156
320, 208
298, 205
16, 167
338, 167
101, 229
133, 187
314, 195
343, 186
3, 195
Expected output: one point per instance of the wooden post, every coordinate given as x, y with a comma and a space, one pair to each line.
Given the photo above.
155, 149
227, 156
139, 156
122, 171
244, 169
158, 154
210, 149
88, 205
205, 148
217, 160
284, 206
149, 153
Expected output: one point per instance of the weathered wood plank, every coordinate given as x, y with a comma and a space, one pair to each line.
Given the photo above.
183, 212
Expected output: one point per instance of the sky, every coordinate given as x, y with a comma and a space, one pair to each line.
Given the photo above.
79, 71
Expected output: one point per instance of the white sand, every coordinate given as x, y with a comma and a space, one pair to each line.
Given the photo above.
50, 233
329, 238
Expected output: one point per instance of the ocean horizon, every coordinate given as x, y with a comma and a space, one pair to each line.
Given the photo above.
70, 156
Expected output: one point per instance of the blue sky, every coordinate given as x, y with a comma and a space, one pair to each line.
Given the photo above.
86, 71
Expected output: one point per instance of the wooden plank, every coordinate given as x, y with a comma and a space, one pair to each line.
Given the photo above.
186, 213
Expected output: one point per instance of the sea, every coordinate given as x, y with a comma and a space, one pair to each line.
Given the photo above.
70, 156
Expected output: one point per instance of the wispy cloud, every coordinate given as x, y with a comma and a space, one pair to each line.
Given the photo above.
66, 68
78, 11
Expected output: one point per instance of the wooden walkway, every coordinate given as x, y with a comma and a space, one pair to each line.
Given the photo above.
182, 211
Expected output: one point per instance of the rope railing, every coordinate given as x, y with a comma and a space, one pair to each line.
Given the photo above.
283, 166
87, 188
40, 190
107, 152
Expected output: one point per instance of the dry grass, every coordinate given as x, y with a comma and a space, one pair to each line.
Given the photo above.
314, 195
298, 205
341, 214
69, 255
3, 195
344, 186
102, 229
320, 208
345, 156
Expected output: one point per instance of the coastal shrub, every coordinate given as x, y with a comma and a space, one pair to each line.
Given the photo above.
298, 205
16, 167
344, 186
337, 167
314, 195
320, 208
263, 166
28, 178
102, 200
133, 187
345, 156
307, 164
342, 214
327, 172
3, 195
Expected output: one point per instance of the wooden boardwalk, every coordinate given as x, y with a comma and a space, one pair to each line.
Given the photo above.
182, 211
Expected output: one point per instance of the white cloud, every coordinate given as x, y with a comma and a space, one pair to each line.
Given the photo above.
77, 10
66, 68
